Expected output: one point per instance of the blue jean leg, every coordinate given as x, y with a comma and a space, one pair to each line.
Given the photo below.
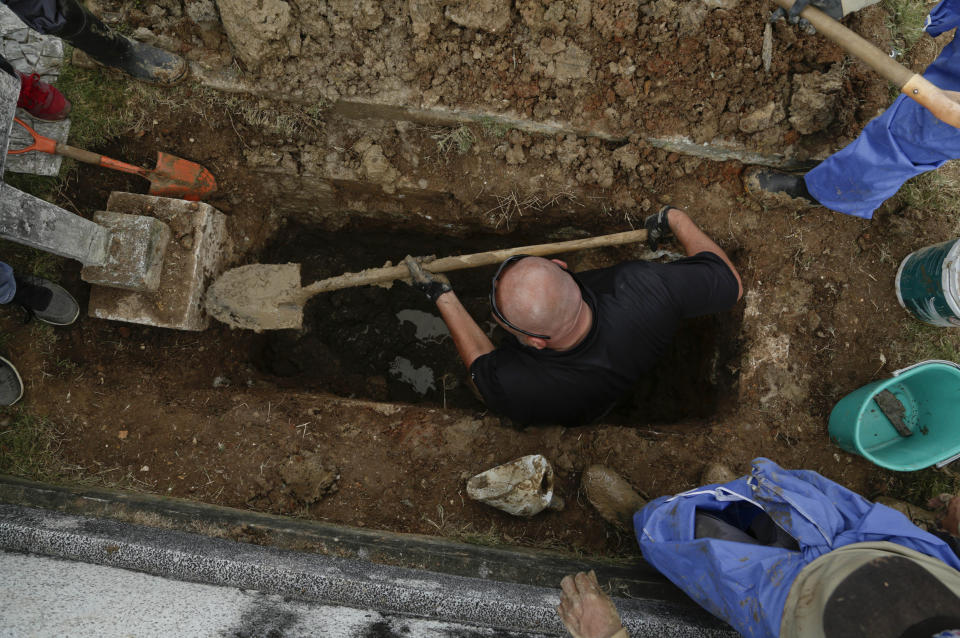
8, 287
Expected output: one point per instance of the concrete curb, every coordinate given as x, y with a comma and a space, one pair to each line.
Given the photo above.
315, 578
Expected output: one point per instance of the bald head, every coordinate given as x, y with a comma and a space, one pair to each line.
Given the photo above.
537, 295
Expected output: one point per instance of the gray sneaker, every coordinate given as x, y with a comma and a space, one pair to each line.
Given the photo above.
46, 300
11, 385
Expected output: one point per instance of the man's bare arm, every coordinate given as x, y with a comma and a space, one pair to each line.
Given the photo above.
468, 337
696, 241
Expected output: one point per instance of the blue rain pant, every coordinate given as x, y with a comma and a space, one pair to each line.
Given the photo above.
44, 16
905, 141
8, 287
747, 584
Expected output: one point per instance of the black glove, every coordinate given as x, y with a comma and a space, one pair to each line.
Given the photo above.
433, 285
658, 227
832, 8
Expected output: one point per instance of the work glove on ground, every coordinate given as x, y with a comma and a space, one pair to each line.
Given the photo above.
836, 9
586, 611
658, 227
431, 284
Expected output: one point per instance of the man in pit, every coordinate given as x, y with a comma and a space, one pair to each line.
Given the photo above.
578, 342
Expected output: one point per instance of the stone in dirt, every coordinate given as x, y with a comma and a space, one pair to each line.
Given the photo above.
814, 100
423, 15
375, 166
257, 30
307, 478
762, 118
486, 15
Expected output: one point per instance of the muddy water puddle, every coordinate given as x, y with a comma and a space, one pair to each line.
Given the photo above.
390, 344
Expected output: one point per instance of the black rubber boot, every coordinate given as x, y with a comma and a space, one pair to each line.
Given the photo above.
86, 32
758, 180
11, 385
45, 300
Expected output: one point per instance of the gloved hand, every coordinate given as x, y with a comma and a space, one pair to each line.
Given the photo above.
432, 284
586, 610
836, 9
658, 227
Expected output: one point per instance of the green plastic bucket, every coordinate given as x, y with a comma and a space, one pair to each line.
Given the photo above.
930, 395
928, 284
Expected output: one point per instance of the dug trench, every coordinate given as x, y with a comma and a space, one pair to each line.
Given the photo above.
389, 344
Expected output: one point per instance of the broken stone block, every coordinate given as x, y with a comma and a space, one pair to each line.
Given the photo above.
37, 223
485, 15
198, 248
135, 256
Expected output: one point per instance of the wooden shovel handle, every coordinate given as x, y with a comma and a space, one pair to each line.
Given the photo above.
446, 264
911, 84
99, 160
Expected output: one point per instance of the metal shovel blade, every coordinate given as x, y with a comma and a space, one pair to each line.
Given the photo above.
180, 178
258, 297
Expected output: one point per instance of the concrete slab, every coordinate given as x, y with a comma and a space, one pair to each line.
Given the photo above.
137, 248
195, 255
31, 52
28, 220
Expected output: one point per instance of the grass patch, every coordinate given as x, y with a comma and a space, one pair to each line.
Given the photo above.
937, 190
460, 139
906, 19
931, 342
29, 445
493, 127
919, 487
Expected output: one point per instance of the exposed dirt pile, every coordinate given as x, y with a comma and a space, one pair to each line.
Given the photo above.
661, 67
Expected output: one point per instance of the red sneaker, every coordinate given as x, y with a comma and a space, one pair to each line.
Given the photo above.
41, 100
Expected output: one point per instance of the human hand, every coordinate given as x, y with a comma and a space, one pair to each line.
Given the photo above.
658, 227
586, 611
431, 284
950, 505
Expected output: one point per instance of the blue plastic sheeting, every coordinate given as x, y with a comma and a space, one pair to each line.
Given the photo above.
747, 585
8, 287
905, 141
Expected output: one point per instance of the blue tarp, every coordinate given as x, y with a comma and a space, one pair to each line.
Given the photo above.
747, 585
905, 141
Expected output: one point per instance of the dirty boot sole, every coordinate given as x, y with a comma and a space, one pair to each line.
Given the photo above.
611, 495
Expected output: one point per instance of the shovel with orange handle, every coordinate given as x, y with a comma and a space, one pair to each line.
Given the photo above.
944, 105
173, 176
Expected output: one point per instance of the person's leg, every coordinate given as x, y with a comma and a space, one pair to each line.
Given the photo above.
69, 20
8, 284
43, 16
86, 32
11, 385
43, 299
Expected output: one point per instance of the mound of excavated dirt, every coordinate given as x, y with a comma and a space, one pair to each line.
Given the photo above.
661, 67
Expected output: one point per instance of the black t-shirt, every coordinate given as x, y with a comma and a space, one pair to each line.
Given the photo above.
637, 306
